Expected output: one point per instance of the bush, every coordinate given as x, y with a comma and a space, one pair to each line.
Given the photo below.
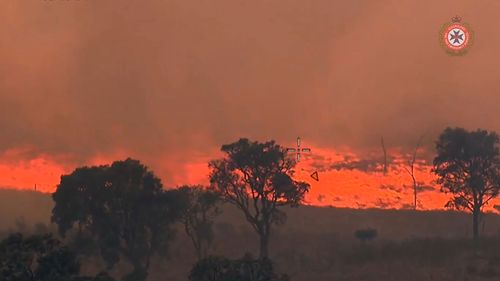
246, 269
366, 234
41, 258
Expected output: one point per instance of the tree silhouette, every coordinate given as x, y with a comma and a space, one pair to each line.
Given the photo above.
257, 178
199, 215
123, 207
410, 169
468, 164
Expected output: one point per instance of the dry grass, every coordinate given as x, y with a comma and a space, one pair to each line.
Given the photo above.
318, 243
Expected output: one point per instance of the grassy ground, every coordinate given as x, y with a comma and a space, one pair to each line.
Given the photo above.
318, 243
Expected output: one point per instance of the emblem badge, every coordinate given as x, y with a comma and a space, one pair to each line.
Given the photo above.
456, 37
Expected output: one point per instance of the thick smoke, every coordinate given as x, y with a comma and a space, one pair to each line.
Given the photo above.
170, 81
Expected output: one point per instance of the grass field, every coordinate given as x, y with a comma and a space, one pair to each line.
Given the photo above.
318, 243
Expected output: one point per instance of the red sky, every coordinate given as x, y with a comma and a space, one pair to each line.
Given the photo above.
169, 81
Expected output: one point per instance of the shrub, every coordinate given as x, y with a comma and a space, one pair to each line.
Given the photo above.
366, 234
246, 269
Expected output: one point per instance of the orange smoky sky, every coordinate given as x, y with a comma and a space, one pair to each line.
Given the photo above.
167, 82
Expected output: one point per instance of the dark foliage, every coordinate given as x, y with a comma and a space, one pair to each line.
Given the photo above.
245, 269
40, 258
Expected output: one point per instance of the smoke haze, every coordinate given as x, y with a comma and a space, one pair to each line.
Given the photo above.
168, 82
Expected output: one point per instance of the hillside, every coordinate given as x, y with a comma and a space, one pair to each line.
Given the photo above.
316, 242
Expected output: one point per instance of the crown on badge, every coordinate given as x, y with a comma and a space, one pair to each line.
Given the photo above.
456, 19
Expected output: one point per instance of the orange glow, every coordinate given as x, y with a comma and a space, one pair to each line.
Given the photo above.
339, 187
26, 174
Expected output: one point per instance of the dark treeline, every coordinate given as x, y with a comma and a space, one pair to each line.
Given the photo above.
122, 214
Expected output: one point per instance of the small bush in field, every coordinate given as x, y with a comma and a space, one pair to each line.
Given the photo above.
366, 234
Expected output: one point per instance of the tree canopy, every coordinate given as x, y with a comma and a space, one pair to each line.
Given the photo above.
257, 178
123, 207
468, 166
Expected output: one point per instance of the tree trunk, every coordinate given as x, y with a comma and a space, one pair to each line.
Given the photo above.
197, 247
415, 187
475, 223
264, 245
199, 254
415, 196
